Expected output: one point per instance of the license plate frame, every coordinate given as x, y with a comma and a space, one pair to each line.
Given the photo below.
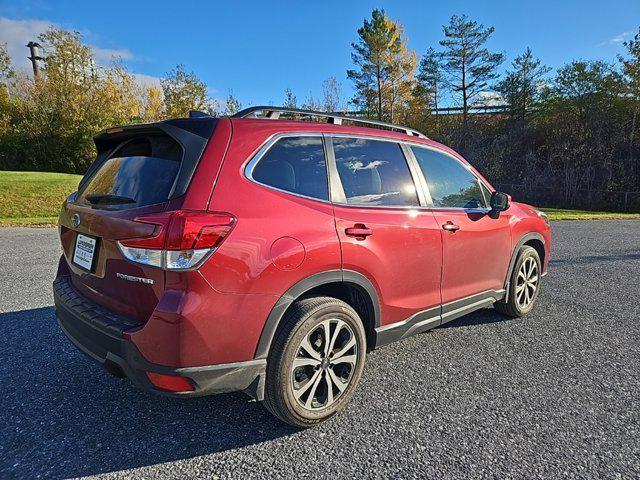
84, 251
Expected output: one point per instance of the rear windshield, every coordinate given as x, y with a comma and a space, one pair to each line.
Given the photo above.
140, 172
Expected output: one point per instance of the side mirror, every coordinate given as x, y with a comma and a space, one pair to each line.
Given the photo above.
499, 202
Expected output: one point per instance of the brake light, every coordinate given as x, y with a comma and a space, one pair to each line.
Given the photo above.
182, 239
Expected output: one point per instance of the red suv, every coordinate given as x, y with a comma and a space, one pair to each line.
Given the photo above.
254, 253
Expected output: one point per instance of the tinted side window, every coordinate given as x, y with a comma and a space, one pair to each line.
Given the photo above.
374, 172
295, 164
450, 183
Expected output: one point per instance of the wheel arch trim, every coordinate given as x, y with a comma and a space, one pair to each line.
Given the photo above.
300, 288
514, 256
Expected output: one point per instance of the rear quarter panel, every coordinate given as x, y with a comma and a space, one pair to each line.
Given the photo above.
279, 238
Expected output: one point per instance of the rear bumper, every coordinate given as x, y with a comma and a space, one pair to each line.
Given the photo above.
99, 334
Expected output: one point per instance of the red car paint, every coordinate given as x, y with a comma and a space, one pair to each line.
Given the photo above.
216, 313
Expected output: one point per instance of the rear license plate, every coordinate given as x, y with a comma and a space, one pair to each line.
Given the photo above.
84, 251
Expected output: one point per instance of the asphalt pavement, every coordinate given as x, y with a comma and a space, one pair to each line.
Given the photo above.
552, 395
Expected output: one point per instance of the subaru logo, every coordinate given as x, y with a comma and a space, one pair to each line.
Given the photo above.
75, 220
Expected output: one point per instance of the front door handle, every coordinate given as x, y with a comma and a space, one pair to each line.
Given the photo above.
359, 231
451, 227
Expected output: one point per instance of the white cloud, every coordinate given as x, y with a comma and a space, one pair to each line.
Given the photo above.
16, 34
147, 80
104, 56
617, 40
620, 38
489, 99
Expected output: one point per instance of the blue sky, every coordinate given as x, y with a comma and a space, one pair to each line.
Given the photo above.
257, 49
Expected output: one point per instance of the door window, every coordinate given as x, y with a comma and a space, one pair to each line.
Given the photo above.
374, 172
450, 183
296, 165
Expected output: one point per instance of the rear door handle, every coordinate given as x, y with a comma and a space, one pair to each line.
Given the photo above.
359, 231
451, 227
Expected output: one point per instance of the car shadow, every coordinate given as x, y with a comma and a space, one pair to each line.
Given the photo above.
64, 416
479, 317
591, 259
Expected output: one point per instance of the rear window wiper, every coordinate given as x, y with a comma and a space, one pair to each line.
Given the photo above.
108, 199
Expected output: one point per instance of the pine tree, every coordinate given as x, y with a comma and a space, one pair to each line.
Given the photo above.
232, 105
521, 86
384, 75
290, 100
467, 62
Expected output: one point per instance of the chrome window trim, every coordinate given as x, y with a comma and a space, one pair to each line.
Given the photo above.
330, 159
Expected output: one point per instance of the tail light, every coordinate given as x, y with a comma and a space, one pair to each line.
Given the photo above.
182, 240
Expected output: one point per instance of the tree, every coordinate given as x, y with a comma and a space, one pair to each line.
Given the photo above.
582, 117
398, 93
63, 108
521, 86
122, 93
7, 76
586, 87
467, 62
631, 72
50, 123
152, 104
7, 106
6, 72
384, 74
331, 95
428, 87
312, 103
290, 100
183, 91
232, 104
430, 78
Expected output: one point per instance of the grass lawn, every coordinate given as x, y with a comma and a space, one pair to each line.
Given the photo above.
33, 198
562, 214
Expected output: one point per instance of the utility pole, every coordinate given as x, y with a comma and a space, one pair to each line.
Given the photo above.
35, 57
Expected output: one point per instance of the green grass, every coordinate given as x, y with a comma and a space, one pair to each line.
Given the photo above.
562, 214
33, 198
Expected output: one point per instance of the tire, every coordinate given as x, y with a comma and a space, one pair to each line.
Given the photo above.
524, 284
290, 394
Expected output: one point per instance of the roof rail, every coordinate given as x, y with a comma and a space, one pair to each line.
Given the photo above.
332, 117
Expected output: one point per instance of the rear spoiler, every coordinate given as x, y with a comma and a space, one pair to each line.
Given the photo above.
192, 134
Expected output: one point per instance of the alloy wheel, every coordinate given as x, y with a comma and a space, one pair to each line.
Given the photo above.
324, 364
527, 282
